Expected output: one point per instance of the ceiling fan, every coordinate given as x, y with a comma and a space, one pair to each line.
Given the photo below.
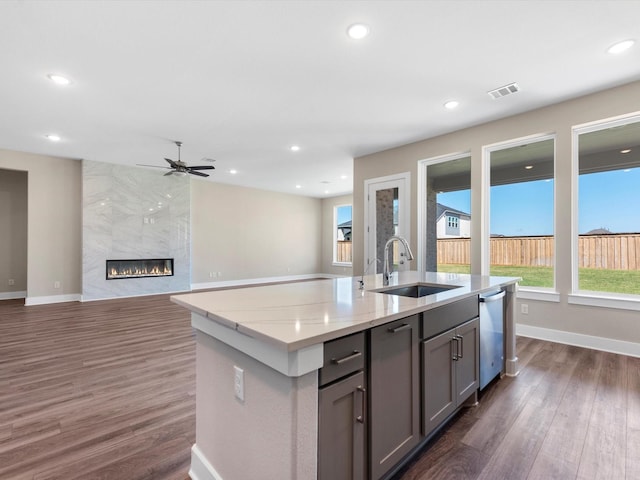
178, 167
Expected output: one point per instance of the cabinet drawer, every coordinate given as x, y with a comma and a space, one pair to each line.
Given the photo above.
342, 357
440, 319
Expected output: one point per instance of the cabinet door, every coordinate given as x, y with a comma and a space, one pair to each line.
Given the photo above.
342, 429
394, 393
467, 364
438, 370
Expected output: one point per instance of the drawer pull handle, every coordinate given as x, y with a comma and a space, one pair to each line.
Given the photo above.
461, 346
404, 326
340, 361
454, 355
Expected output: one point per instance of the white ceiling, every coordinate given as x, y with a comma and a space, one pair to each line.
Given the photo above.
241, 81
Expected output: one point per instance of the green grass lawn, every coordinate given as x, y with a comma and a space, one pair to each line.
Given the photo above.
598, 280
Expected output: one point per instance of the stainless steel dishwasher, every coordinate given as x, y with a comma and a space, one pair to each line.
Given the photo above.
491, 336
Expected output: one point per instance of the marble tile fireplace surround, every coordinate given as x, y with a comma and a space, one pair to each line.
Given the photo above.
134, 214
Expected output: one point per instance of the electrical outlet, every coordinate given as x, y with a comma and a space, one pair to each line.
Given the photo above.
238, 383
12, 281
219, 274
524, 309
56, 284
210, 274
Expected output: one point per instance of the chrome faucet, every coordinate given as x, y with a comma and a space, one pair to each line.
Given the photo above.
386, 273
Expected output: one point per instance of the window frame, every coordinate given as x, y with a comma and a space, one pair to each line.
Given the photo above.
334, 237
590, 297
423, 166
485, 209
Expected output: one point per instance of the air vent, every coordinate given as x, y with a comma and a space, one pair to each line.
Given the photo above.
504, 90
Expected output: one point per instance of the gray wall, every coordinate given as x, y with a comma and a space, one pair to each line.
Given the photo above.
246, 233
13, 233
243, 233
621, 325
53, 222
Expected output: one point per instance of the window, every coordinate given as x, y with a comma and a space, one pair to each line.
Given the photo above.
521, 231
342, 254
607, 234
446, 242
453, 227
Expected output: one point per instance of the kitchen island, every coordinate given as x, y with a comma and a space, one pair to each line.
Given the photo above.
259, 350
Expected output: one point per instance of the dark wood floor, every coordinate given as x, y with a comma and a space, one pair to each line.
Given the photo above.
100, 390
105, 390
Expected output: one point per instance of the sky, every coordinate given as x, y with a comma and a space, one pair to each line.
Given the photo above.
344, 213
608, 200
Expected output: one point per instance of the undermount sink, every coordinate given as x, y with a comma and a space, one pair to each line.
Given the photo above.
417, 290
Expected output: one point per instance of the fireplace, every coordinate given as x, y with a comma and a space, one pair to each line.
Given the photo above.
154, 267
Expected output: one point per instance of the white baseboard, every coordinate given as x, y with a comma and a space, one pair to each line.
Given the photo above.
256, 281
200, 468
118, 297
12, 295
74, 297
580, 340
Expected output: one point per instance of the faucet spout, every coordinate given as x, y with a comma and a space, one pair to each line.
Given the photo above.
386, 272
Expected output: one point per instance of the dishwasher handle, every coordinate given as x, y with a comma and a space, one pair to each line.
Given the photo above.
493, 298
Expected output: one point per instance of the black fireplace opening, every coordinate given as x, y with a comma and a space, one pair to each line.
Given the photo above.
146, 267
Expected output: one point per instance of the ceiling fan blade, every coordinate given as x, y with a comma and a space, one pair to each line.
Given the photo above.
195, 172
154, 166
172, 163
168, 173
202, 167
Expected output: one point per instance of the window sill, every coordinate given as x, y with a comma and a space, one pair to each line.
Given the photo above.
605, 300
544, 295
342, 264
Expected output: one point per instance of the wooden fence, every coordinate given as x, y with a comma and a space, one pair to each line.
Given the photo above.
611, 252
343, 252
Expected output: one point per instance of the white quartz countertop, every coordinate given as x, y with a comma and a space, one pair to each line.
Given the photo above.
296, 315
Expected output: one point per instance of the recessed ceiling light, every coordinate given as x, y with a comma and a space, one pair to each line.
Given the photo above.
451, 104
58, 79
620, 47
326, 191
298, 186
626, 150
528, 167
294, 148
53, 137
233, 171
358, 31
343, 177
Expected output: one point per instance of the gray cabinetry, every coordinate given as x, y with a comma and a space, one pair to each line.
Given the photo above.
450, 372
342, 418
394, 393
